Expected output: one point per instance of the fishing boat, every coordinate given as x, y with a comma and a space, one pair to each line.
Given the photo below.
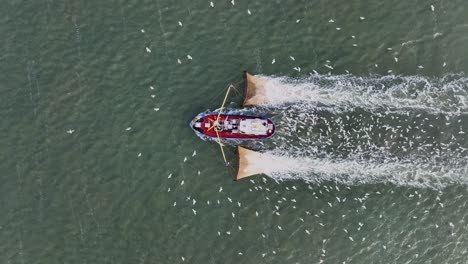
233, 126
220, 125
228, 126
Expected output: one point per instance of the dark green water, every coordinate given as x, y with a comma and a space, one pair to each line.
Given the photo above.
103, 194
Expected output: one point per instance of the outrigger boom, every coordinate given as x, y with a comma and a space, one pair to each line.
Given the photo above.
232, 126
216, 122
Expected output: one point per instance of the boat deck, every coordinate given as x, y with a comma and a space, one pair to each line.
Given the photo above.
233, 126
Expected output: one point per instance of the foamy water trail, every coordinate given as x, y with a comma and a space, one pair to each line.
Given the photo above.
285, 166
358, 146
448, 94
408, 131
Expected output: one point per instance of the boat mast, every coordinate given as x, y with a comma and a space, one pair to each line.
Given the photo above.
221, 147
224, 102
215, 122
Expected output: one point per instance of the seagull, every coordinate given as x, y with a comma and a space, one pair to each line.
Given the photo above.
211, 4
70, 131
180, 23
189, 57
148, 50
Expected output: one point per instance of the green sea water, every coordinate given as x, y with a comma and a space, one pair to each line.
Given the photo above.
98, 164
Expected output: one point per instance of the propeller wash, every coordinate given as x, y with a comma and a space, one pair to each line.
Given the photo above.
387, 129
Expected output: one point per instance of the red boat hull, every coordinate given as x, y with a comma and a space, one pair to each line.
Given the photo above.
233, 126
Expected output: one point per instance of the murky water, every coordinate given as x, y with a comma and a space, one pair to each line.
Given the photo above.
99, 165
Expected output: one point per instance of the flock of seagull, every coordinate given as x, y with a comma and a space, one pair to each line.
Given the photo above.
393, 131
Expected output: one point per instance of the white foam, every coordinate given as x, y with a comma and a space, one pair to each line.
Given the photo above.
283, 166
448, 94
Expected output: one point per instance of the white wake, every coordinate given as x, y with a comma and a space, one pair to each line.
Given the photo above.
284, 166
447, 94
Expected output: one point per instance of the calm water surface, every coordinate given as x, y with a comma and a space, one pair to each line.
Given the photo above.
131, 183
